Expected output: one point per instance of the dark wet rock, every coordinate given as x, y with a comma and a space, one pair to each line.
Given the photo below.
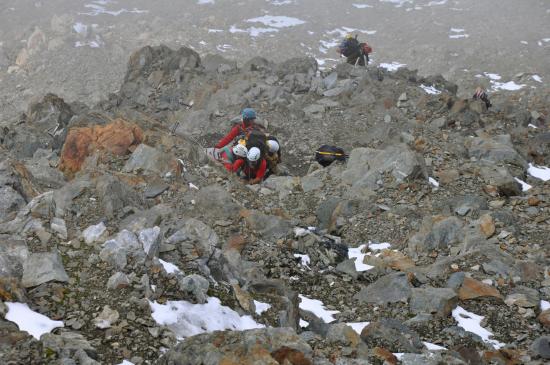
41, 268
259, 346
392, 335
388, 289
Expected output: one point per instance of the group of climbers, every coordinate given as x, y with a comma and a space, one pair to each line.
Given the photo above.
248, 150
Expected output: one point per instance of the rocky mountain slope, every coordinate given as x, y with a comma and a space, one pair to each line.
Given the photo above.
114, 222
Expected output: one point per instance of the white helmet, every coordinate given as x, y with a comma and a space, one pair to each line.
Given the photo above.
240, 150
254, 154
273, 146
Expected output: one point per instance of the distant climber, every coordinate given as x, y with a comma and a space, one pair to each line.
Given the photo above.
356, 53
273, 156
480, 94
230, 156
253, 169
248, 123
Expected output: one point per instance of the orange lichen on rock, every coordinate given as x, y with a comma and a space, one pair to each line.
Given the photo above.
118, 137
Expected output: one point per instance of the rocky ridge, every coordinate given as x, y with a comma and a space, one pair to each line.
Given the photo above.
95, 202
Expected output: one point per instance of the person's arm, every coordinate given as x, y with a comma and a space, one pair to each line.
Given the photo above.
260, 173
234, 132
237, 165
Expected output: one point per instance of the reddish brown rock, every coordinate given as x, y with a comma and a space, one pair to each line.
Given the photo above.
486, 225
119, 138
472, 289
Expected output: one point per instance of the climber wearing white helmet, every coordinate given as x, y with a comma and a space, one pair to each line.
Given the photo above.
229, 156
254, 168
273, 156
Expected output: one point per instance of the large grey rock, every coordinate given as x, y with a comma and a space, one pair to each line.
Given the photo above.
13, 254
501, 178
259, 346
67, 341
58, 226
438, 235
43, 267
106, 318
390, 288
215, 201
541, 347
366, 165
93, 233
298, 65
341, 333
284, 185
10, 202
115, 195
268, 226
391, 335
217, 63
195, 285
498, 149
433, 300
118, 280
194, 240
150, 239
147, 160
116, 250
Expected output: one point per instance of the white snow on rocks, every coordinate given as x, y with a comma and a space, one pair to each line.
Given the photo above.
261, 307
510, 86
27, 320
456, 33
317, 307
433, 181
99, 7
430, 89
537, 78
361, 6
472, 323
524, 185
188, 319
205, 2
169, 267
276, 21
304, 259
80, 28
379, 246
542, 172
358, 326
544, 305
393, 66
357, 254
253, 31
433, 347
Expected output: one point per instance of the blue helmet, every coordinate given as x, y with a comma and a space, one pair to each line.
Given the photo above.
249, 113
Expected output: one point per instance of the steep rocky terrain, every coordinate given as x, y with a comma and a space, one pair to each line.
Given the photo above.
425, 226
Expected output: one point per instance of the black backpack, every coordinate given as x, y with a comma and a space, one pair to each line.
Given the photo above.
326, 154
350, 47
257, 138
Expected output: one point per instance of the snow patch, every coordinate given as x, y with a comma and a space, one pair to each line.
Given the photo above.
318, 308
542, 172
357, 254
252, 31
433, 181
358, 326
430, 89
169, 267
304, 259
277, 21
98, 7
472, 323
261, 307
544, 305
433, 347
394, 66
204, 2
80, 28
537, 78
188, 319
510, 86
524, 185
361, 6
27, 320
379, 246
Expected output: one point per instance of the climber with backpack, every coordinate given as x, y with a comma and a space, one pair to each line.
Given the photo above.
356, 53
248, 123
253, 169
229, 156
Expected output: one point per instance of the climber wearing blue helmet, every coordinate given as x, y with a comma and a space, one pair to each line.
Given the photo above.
248, 118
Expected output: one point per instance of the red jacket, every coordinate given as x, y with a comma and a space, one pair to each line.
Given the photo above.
251, 173
234, 132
